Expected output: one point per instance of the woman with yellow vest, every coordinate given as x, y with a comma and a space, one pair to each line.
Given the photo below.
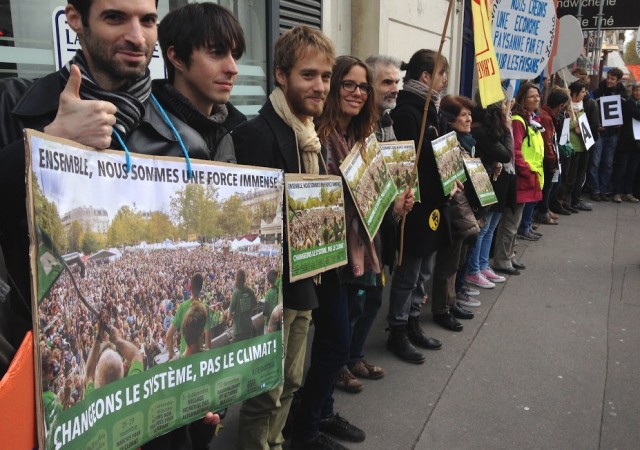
528, 151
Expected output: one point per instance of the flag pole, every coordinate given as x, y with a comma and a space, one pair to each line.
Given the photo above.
414, 173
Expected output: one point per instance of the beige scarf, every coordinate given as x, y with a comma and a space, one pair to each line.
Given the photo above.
305, 131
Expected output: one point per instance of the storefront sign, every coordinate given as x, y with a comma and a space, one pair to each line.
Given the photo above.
616, 14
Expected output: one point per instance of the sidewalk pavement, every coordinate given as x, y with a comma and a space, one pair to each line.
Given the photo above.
551, 360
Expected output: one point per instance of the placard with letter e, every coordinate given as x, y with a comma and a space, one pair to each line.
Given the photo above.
610, 110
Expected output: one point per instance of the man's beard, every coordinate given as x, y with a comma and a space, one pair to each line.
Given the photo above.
98, 54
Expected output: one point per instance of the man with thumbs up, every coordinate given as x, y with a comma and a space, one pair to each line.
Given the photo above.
105, 87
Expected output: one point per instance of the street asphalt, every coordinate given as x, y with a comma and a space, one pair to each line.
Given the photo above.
551, 360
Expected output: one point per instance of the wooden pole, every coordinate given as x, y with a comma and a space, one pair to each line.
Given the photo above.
414, 173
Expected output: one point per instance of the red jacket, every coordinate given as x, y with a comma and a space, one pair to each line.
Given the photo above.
550, 156
527, 184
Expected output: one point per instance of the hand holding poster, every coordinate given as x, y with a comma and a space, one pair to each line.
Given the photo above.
316, 224
480, 181
400, 157
156, 260
523, 34
449, 161
368, 180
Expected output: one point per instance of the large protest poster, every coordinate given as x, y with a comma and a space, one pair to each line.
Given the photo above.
316, 224
480, 181
400, 157
523, 36
447, 152
369, 183
116, 257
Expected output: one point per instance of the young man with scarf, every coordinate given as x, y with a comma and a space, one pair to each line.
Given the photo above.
201, 67
103, 88
283, 136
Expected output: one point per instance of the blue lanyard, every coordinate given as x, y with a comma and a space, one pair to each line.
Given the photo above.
165, 117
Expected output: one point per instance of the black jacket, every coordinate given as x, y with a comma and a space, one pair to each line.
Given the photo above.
628, 143
33, 104
420, 239
267, 141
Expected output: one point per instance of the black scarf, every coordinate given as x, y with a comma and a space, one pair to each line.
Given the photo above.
129, 102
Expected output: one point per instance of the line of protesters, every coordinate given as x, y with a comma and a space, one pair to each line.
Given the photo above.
321, 106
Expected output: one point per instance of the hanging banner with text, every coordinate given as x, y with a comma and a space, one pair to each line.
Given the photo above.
523, 35
489, 83
115, 259
316, 224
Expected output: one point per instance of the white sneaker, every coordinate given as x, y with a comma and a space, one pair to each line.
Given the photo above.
464, 300
470, 291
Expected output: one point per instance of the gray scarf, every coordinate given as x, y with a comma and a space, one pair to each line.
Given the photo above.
421, 89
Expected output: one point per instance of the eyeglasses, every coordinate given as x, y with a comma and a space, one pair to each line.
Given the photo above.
350, 86
533, 96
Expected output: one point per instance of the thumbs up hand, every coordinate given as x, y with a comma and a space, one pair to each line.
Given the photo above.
89, 122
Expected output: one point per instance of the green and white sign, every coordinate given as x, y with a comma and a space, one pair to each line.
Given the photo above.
316, 224
446, 150
480, 181
400, 157
134, 285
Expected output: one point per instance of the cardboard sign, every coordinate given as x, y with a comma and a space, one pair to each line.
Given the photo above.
587, 136
316, 224
610, 110
367, 177
636, 129
523, 35
400, 157
104, 379
480, 181
446, 150
564, 134
569, 43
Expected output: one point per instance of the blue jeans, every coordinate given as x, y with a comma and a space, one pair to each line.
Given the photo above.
527, 218
364, 304
478, 256
601, 166
329, 354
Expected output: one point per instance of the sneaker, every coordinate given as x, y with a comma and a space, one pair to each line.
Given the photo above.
363, 369
347, 382
470, 291
536, 233
617, 198
490, 275
464, 300
631, 198
320, 442
341, 428
477, 279
528, 236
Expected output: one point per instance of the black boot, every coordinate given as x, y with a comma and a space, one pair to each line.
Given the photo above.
418, 338
398, 344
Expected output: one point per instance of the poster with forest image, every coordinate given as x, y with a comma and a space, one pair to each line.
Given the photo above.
315, 224
480, 181
155, 297
446, 150
400, 157
369, 183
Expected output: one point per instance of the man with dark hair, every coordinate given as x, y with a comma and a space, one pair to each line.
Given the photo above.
601, 165
283, 136
201, 68
104, 88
